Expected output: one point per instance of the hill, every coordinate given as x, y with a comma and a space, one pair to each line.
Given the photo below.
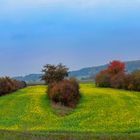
92, 71
31, 78
83, 74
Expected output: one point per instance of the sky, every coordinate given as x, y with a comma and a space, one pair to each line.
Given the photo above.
77, 33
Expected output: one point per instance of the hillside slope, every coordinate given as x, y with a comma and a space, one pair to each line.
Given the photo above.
99, 111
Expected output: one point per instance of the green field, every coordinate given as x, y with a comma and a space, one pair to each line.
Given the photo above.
100, 111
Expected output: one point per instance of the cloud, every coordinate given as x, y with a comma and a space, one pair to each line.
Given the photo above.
14, 8
18, 4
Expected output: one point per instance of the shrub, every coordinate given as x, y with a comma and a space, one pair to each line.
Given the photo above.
118, 80
135, 80
8, 85
102, 79
65, 92
128, 82
20, 84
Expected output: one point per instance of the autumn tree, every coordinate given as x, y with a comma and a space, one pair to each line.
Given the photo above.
113, 76
116, 67
65, 92
116, 77
129, 81
102, 79
118, 80
136, 80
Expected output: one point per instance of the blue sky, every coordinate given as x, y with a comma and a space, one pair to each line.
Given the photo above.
78, 33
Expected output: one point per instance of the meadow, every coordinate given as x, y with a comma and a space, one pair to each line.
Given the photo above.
100, 112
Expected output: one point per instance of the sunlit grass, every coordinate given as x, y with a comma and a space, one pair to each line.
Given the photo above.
99, 111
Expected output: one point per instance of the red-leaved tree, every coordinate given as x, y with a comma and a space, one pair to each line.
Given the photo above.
116, 67
113, 76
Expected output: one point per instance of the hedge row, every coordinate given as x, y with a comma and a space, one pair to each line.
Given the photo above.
8, 85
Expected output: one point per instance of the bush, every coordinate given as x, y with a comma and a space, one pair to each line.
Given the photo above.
8, 85
102, 79
128, 82
65, 92
135, 80
20, 84
118, 81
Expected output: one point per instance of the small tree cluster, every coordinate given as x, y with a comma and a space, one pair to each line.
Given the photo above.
116, 77
8, 85
113, 76
60, 90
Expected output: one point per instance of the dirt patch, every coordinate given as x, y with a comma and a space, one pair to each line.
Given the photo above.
60, 109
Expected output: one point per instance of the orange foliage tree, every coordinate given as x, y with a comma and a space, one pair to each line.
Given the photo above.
116, 67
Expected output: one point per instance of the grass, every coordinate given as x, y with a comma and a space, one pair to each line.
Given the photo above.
100, 111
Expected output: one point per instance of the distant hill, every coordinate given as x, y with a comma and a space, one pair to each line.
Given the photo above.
82, 74
92, 71
31, 78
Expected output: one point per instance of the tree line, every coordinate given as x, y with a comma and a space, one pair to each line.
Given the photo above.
115, 76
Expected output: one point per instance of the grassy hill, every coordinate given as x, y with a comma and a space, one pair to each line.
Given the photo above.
100, 111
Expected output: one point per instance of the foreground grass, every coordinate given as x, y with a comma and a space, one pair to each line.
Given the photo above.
12, 135
100, 111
